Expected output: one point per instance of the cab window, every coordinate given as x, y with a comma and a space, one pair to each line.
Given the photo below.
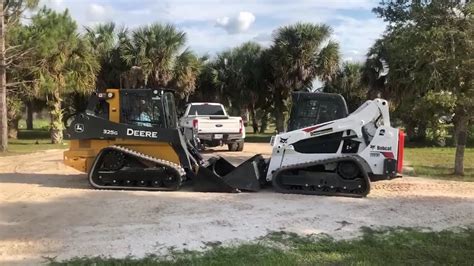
142, 109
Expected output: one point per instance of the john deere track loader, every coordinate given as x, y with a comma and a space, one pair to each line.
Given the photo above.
130, 139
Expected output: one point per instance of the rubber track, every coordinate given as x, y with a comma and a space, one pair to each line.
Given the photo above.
319, 162
177, 168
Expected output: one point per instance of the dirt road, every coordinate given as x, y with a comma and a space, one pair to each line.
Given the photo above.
48, 210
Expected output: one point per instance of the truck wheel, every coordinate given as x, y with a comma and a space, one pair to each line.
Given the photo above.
233, 146
240, 146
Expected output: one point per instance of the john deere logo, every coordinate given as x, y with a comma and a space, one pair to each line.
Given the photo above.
79, 128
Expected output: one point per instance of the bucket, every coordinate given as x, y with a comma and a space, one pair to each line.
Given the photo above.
219, 175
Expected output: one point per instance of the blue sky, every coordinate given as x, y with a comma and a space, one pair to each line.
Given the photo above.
216, 25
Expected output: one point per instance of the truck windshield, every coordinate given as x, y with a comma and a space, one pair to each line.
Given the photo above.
206, 109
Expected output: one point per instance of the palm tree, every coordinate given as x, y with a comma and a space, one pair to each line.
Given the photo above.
66, 62
106, 41
153, 49
10, 14
348, 82
297, 56
207, 82
235, 78
186, 69
251, 86
375, 70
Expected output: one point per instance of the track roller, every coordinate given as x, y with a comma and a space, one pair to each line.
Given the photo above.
342, 176
117, 167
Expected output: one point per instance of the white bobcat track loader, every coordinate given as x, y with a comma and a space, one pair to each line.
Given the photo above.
338, 157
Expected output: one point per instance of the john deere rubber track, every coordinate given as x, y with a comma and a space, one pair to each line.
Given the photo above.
117, 167
341, 176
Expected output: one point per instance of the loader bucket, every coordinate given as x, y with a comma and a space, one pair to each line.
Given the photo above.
221, 176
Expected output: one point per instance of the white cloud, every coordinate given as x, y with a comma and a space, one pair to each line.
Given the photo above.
238, 24
354, 28
56, 2
264, 39
212, 40
357, 36
96, 11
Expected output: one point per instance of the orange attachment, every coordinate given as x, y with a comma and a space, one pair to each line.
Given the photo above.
401, 146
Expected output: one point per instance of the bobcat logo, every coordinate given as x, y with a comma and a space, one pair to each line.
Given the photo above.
79, 128
282, 140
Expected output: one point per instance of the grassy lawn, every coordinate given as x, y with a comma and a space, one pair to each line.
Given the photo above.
258, 138
34, 140
31, 141
439, 162
42, 124
392, 247
22, 146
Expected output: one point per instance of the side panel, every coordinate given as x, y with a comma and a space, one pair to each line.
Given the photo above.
383, 146
285, 154
82, 153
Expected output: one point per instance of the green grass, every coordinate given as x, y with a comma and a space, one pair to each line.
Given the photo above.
388, 247
258, 138
439, 162
31, 141
34, 140
23, 146
33, 134
42, 124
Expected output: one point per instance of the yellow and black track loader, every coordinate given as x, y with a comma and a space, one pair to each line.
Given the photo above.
130, 139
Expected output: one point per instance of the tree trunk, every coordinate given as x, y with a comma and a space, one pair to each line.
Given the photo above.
421, 134
3, 85
279, 113
410, 131
253, 113
280, 122
13, 128
461, 139
264, 122
29, 115
56, 118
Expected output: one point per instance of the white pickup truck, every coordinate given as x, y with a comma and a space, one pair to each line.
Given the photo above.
209, 125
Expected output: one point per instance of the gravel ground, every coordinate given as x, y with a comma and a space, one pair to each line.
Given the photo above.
48, 210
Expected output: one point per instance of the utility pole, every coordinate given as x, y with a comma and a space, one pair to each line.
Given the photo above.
3, 83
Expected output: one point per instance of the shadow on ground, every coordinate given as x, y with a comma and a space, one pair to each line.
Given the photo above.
46, 180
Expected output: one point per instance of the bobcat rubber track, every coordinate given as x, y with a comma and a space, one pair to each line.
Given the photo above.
362, 182
178, 173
